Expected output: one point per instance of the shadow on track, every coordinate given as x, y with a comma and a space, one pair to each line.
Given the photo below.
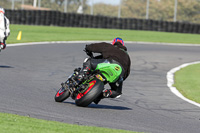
6, 67
100, 106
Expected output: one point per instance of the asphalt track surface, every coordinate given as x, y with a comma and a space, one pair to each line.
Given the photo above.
31, 75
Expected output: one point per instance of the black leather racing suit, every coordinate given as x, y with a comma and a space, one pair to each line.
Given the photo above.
113, 53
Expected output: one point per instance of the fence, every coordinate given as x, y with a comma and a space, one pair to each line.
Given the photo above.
56, 18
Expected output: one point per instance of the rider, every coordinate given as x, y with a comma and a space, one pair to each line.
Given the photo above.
4, 28
115, 53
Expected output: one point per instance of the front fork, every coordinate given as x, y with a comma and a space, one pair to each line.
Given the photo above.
71, 84
75, 87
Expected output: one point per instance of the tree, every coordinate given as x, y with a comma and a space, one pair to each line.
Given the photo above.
188, 10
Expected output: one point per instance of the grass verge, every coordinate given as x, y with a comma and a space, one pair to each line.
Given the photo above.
187, 81
10, 123
50, 33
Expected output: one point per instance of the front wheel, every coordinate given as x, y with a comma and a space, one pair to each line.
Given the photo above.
61, 95
94, 90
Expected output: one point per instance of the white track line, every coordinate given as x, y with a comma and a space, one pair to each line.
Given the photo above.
52, 42
170, 79
58, 42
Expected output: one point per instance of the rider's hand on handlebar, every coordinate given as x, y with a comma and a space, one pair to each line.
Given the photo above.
88, 53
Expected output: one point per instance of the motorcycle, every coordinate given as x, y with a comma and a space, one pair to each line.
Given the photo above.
92, 86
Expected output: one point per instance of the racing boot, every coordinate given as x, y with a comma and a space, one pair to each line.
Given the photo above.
111, 94
107, 93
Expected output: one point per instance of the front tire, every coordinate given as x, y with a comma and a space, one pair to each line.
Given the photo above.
94, 90
61, 95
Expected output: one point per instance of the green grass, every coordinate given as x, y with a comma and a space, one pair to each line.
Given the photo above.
50, 33
187, 81
10, 123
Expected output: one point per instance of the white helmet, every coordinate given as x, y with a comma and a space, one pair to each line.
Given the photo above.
2, 10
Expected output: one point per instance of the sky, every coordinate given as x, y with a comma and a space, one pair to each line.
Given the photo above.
113, 2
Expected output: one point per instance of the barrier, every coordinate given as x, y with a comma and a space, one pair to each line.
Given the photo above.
56, 18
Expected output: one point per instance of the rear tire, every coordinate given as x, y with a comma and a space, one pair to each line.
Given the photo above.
61, 95
86, 98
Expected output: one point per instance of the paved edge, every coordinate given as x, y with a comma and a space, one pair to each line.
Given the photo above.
170, 79
51, 42
170, 74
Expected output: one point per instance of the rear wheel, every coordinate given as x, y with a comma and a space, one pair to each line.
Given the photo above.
94, 90
61, 95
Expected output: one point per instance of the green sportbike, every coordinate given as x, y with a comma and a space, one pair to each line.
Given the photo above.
92, 86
